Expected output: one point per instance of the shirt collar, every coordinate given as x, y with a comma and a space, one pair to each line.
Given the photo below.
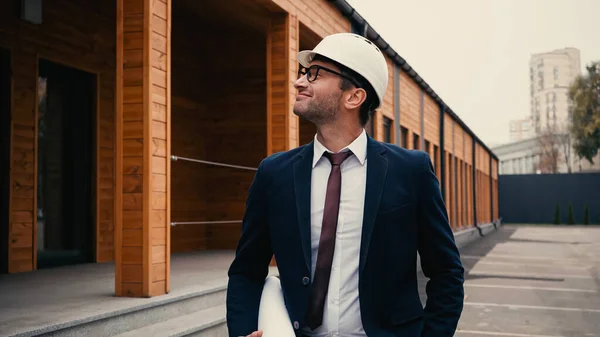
358, 148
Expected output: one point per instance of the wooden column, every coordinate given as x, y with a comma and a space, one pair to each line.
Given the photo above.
142, 207
22, 243
282, 69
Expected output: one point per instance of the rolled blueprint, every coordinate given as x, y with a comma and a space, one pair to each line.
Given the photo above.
273, 318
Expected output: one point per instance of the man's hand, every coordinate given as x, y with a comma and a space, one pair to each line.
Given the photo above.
256, 334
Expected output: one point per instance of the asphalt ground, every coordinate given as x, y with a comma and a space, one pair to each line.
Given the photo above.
537, 281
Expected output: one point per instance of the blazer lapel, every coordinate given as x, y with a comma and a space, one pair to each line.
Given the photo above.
376, 174
302, 181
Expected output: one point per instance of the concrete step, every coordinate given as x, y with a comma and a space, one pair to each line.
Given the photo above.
204, 323
196, 313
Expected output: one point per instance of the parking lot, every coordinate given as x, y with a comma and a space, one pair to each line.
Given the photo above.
539, 281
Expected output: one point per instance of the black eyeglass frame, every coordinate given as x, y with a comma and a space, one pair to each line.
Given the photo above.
305, 71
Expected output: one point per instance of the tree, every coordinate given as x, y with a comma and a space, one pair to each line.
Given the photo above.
571, 216
557, 215
554, 149
584, 94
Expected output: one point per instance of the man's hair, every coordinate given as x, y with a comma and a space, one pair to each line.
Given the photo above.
366, 109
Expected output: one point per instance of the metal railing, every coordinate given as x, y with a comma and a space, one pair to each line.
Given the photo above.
175, 223
176, 158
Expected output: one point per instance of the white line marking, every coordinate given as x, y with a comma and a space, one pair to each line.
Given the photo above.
541, 258
531, 264
477, 285
520, 306
532, 275
491, 333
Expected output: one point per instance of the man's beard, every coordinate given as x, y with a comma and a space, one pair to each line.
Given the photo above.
321, 111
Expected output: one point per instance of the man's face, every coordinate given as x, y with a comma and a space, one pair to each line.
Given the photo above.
319, 101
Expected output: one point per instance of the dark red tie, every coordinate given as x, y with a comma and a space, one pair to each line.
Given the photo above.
320, 283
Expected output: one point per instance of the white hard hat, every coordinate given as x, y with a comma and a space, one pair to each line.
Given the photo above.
355, 52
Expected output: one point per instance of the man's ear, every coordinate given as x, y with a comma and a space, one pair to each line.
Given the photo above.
354, 98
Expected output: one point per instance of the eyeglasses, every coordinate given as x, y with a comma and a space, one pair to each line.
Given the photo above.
313, 71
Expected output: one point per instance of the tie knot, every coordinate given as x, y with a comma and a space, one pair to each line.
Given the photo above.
337, 158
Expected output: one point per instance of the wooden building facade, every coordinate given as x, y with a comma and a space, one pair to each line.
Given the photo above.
108, 107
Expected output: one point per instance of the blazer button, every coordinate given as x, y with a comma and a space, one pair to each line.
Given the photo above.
305, 280
296, 325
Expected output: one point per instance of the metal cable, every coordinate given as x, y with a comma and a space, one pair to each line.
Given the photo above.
204, 222
176, 158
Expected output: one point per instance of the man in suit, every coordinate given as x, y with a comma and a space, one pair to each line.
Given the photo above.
345, 217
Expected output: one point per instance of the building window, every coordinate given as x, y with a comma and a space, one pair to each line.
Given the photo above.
404, 137
371, 126
387, 130
416, 142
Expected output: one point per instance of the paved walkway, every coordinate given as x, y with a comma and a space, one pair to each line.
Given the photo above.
539, 281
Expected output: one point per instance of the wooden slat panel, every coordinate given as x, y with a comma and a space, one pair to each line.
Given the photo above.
432, 120
159, 201
132, 273
410, 113
448, 139
132, 237
133, 23
132, 112
159, 271
132, 202
132, 289
159, 182
132, 219
159, 147
132, 255
206, 128
159, 26
158, 219
159, 130
133, 130
159, 236
132, 58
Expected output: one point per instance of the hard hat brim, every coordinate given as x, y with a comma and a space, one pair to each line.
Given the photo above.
305, 57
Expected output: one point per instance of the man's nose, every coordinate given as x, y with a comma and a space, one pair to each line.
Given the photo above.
301, 82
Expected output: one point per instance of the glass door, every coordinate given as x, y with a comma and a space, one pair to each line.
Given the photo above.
66, 111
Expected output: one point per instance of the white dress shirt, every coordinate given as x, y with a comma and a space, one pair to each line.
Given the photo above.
341, 315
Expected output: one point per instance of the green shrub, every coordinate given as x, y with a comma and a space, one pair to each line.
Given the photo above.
586, 215
571, 217
557, 215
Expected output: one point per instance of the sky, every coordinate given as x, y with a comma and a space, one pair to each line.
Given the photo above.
475, 53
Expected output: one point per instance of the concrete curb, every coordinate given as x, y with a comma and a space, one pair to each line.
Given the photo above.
466, 236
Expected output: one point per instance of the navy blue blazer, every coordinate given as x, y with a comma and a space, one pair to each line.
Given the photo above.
404, 214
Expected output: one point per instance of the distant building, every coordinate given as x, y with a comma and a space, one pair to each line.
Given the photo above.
551, 74
521, 129
518, 157
532, 139
529, 157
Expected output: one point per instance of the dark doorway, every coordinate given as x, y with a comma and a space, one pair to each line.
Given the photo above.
5, 80
65, 216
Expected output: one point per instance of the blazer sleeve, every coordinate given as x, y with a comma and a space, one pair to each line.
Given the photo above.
250, 266
440, 259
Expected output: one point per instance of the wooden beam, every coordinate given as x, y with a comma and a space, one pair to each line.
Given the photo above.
142, 231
